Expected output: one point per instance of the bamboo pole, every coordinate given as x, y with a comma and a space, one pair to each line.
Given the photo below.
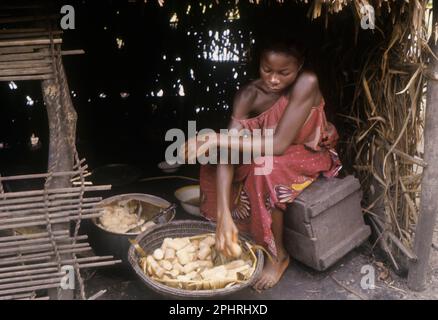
99, 264
40, 247
27, 35
21, 30
27, 221
54, 221
27, 272
51, 197
52, 215
25, 64
97, 295
22, 49
52, 264
34, 56
27, 289
32, 236
429, 184
39, 273
29, 18
72, 52
19, 259
26, 71
15, 209
25, 78
34, 257
45, 175
31, 42
42, 234
45, 283
89, 259
81, 162
75, 251
22, 246
18, 296
32, 241
6, 217
21, 7
66, 191
30, 283
26, 206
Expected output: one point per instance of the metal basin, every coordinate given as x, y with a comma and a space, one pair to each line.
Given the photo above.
105, 242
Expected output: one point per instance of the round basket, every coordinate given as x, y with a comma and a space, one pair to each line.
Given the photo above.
153, 238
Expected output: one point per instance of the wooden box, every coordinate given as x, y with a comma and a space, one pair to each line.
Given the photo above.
325, 222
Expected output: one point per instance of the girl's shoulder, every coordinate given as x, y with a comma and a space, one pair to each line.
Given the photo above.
245, 98
248, 91
306, 77
308, 82
251, 92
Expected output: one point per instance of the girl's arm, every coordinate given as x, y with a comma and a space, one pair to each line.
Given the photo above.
302, 98
227, 232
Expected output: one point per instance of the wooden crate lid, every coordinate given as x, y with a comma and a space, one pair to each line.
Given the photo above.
324, 193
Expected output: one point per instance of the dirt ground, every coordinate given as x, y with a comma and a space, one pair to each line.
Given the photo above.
340, 282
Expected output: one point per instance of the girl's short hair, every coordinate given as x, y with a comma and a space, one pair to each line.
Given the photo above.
283, 44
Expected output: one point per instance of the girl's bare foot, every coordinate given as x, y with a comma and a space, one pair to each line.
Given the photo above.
272, 272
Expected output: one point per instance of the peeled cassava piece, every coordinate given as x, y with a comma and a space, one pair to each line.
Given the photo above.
158, 254
236, 250
190, 263
169, 254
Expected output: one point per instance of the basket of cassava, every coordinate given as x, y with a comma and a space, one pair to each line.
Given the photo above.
180, 260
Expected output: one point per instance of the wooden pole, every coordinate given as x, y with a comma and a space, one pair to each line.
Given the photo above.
429, 185
29, 42
60, 155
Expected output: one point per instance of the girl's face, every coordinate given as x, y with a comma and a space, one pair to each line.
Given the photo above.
278, 70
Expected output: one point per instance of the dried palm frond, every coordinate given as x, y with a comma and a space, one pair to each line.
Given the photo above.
391, 97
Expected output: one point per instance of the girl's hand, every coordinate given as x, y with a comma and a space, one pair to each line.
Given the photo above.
329, 137
227, 235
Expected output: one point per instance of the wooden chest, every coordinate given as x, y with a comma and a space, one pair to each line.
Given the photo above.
325, 222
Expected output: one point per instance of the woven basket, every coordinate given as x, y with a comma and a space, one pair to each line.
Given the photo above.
153, 238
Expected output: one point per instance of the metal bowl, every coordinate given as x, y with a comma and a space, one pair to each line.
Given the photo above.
168, 168
105, 242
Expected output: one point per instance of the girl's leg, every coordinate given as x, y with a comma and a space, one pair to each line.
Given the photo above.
273, 271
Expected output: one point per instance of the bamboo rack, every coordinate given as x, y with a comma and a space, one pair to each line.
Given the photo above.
27, 260
36, 238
